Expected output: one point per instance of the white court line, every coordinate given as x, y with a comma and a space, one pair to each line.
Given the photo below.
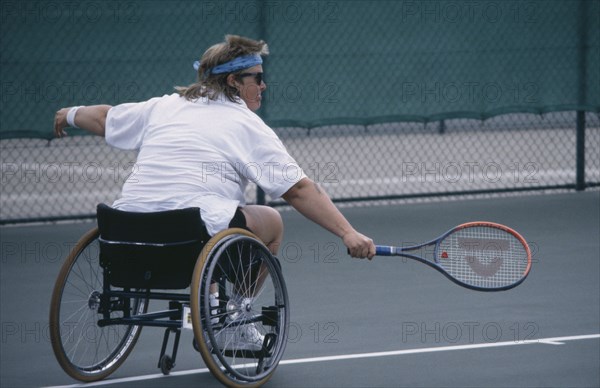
546, 341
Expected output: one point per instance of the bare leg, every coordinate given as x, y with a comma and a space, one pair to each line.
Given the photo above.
265, 222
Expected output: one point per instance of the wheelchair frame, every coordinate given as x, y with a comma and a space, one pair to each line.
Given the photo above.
266, 305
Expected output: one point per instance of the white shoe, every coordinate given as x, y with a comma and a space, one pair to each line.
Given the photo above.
214, 304
243, 337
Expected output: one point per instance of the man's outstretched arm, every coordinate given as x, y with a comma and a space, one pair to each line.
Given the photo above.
91, 118
311, 201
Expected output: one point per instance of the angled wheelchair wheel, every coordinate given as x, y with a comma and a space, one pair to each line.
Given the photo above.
84, 350
239, 306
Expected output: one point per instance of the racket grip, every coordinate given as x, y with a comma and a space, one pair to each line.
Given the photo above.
381, 250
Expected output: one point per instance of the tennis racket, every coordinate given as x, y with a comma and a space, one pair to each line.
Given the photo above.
482, 256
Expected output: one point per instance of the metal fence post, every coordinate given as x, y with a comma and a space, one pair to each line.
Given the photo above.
580, 151
582, 75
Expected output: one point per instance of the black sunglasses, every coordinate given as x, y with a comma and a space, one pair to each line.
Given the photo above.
258, 77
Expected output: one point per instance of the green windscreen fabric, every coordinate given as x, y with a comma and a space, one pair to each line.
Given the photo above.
331, 62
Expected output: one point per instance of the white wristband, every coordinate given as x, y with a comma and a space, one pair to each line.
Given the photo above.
71, 116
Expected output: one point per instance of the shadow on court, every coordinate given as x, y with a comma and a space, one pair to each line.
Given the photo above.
353, 311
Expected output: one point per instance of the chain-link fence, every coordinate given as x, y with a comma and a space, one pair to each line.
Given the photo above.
44, 179
375, 99
387, 161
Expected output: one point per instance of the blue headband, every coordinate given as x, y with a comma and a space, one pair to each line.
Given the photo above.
235, 64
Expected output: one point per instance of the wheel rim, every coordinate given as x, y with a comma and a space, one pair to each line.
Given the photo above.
247, 308
85, 350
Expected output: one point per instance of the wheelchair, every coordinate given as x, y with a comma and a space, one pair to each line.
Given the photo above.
101, 298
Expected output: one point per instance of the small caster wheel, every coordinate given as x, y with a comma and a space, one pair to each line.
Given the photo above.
166, 364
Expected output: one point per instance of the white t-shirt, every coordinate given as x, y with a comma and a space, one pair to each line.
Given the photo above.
198, 154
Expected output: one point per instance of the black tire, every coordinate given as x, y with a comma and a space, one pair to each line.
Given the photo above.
84, 350
235, 260
166, 364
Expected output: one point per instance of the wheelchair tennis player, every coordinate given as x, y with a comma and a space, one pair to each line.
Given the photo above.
202, 145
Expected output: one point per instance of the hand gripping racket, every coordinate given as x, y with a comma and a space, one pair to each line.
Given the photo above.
482, 256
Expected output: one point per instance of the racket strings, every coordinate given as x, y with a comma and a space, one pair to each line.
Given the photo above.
483, 256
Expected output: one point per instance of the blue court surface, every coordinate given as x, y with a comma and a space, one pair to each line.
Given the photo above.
389, 322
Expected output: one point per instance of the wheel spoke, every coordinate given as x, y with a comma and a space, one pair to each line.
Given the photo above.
234, 350
85, 350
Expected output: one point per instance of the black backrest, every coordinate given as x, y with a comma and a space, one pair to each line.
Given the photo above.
150, 250
170, 226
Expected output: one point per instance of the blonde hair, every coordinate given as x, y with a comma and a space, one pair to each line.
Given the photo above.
212, 85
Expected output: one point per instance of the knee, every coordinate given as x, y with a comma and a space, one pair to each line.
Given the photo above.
266, 223
260, 219
274, 218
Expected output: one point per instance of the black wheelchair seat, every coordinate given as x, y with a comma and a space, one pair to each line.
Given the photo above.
150, 250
